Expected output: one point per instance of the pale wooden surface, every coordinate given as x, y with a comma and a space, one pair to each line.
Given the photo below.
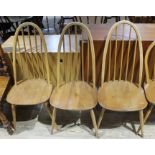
3, 84
29, 92
150, 82
121, 96
119, 91
150, 91
75, 95
79, 64
113, 65
35, 89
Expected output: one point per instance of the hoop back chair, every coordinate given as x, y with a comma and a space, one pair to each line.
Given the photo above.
30, 60
74, 90
149, 86
122, 68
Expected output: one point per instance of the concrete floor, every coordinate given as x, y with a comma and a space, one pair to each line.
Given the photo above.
35, 123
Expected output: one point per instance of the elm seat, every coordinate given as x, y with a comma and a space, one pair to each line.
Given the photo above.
30, 92
121, 96
77, 95
150, 91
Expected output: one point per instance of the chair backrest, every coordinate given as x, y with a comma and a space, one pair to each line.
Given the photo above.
90, 19
30, 53
75, 57
150, 62
123, 54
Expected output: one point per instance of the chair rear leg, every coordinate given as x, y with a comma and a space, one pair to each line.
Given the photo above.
94, 122
14, 115
100, 117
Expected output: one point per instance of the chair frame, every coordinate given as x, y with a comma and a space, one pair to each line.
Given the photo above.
108, 39
83, 27
149, 50
15, 42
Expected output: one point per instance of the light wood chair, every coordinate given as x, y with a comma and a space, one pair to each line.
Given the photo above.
149, 86
31, 59
120, 89
74, 91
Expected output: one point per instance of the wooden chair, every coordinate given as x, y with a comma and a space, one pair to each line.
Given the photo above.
31, 59
73, 90
122, 57
149, 86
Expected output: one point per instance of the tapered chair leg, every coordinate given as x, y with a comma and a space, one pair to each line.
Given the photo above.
100, 117
94, 122
141, 117
49, 110
14, 115
146, 116
53, 120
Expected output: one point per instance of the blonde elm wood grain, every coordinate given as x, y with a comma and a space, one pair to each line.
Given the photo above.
73, 90
112, 92
76, 95
34, 87
149, 86
150, 91
121, 96
30, 92
122, 93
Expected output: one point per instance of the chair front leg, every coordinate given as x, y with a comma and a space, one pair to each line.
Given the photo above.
94, 122
49, 109
53, 119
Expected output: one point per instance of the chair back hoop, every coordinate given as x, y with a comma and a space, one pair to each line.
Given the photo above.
90, 47
38, 60
107, 47
149, 49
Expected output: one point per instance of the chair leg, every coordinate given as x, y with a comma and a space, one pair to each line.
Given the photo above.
14, 115
49, 110
141, 122
53, 119
94, 122
146, 116
100, 117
